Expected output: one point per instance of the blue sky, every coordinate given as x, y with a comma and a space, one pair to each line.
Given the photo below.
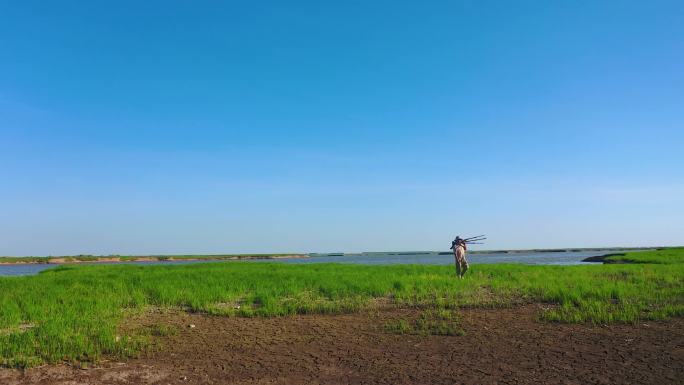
225, 127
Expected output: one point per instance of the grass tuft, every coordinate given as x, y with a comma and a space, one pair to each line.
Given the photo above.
442, 322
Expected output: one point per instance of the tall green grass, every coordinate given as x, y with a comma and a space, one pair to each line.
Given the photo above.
664, 256
71, 313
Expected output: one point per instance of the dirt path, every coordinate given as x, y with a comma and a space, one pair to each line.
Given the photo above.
500, 347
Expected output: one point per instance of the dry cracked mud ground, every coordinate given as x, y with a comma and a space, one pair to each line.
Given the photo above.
500, 346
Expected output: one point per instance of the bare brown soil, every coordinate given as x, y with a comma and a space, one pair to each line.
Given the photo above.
502, 346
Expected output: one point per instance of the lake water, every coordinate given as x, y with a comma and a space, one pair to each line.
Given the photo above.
529, 258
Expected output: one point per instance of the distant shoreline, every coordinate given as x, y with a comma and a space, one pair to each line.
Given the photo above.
76, 259
68, 260
518, 251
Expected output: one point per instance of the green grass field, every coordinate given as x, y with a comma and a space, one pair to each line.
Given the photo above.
664, 256
72, 313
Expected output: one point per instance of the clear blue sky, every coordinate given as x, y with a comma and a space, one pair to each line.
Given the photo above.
222, 127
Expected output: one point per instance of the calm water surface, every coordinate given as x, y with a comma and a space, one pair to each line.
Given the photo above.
529, 258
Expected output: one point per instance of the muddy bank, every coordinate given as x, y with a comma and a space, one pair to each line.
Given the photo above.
602, 258
501, 346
